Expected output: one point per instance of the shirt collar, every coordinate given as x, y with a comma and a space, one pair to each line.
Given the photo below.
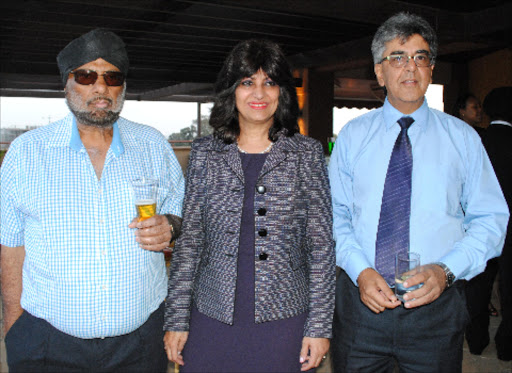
75, 142
504, 122
117, 143
392, 115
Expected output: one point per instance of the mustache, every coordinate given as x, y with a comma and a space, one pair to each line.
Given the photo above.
100, 98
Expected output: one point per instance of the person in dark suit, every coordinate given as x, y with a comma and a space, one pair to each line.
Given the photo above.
479, 288
498, 142
252, 279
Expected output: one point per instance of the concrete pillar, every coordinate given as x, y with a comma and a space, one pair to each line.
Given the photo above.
316, 98
455, 86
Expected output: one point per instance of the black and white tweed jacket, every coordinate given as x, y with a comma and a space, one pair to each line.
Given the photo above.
297, 276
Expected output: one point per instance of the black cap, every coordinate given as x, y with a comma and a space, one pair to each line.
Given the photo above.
98, 43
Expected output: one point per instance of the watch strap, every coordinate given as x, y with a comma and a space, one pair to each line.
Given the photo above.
450, 277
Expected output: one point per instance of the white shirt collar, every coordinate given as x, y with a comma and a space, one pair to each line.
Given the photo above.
505, 123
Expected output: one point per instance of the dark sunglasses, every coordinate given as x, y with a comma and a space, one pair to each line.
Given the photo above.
87, 77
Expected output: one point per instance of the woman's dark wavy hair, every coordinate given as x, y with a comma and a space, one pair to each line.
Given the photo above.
245, 60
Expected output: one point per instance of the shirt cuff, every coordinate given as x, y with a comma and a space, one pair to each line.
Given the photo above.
456, 262
355, 263
12, 240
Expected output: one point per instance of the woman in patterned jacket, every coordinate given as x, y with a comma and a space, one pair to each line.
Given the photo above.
252, 277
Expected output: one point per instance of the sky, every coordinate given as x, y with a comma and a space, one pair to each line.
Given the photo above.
167, 117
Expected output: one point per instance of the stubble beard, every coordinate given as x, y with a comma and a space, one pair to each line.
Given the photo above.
101, 118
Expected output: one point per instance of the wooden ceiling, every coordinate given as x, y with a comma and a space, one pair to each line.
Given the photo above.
176, 47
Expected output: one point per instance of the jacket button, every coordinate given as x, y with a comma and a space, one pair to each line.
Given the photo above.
261, 189
262, 211
262, 232
263, 256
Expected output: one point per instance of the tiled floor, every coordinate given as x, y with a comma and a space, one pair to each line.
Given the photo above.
485, 363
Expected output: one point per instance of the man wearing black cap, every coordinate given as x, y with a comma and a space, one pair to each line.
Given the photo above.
83, 281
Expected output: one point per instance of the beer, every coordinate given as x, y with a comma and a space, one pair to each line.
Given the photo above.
145, 196
146, 208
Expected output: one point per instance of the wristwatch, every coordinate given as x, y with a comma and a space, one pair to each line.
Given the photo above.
450, 277
171, 227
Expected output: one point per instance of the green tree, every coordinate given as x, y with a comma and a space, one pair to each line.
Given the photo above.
2, 154
190, 132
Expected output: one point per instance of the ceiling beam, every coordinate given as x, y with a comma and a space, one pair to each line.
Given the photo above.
177, 90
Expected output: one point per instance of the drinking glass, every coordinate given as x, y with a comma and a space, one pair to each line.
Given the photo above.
144, 194
406, 266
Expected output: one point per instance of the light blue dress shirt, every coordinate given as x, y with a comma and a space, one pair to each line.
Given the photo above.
83, 271
458, 213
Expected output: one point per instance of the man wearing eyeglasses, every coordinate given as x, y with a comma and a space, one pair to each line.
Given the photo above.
83, 281
406, 178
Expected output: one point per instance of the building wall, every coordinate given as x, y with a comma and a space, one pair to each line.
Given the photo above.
182, 154
490, 71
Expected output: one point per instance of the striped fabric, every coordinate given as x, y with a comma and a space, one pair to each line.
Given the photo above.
295, 231
83, 271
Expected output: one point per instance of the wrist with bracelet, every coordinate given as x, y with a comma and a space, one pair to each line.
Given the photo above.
175, 226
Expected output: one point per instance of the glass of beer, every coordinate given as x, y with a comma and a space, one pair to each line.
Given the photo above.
145, 193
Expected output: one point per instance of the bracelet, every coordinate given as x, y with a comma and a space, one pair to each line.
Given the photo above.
172, 231
175, 224
169, 220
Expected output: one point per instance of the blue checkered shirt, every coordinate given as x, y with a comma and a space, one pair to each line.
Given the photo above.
83, 271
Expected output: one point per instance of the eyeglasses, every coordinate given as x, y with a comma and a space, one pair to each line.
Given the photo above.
400, 60
87, 77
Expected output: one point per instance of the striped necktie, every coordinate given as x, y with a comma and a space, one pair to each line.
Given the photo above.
393, 231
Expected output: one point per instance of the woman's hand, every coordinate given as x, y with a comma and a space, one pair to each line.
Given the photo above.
174, 343
317, 348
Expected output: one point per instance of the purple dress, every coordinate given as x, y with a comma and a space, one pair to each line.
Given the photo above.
245, 346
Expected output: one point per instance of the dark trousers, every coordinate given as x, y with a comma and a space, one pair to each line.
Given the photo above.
33, 345
503, 337
424, 339
478, 296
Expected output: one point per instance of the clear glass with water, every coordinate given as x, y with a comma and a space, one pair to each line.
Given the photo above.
406, 266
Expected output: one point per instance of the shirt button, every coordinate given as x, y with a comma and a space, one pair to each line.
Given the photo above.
262, 232
262, 211
103, 252
261, 189
263, 256
101, 221
104, 287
